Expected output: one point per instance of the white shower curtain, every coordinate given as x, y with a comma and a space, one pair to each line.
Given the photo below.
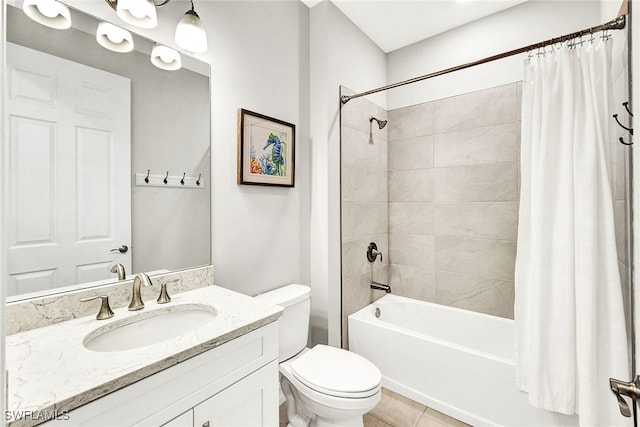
569, 313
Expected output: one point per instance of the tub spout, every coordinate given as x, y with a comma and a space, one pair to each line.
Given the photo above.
380, 287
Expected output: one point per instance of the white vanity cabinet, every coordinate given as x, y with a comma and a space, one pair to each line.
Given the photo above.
233, 384
249, 402
184, 420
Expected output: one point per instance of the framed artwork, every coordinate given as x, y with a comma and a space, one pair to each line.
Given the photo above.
266, 148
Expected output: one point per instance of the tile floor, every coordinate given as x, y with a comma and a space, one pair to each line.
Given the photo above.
395, 410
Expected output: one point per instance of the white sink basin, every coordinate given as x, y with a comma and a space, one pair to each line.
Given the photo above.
149, 327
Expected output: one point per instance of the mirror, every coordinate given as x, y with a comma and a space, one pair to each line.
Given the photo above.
77, 195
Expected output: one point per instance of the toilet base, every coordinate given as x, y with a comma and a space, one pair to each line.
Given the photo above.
323, 422
303, 412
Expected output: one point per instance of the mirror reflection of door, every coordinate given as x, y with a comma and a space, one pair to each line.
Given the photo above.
70, 137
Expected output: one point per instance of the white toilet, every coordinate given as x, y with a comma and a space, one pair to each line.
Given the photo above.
323, 386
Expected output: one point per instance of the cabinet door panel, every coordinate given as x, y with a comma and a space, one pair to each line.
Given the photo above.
251, 402
184, 420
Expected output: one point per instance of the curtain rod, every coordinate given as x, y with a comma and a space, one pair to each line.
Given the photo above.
616, 24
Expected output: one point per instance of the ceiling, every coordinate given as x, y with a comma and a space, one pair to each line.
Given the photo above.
393, 24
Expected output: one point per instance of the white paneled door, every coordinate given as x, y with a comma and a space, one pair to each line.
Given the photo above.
69, 203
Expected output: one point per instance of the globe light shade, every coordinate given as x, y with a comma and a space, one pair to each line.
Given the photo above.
114, 38
140, 13
190, 33
165, 58
51, 13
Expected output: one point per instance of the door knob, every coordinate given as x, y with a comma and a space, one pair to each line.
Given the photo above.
122, 249
623, 388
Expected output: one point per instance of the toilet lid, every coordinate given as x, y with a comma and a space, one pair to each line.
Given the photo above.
336, 372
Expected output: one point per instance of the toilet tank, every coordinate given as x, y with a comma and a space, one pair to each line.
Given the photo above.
293, 323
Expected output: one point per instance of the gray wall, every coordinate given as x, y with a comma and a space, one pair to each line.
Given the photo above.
169, 131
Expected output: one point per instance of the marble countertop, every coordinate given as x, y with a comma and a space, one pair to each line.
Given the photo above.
50, 370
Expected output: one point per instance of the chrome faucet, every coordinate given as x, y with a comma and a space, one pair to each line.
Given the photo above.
140, 280
119, 268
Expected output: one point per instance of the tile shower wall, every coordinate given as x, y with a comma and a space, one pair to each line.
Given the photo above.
364, 204
453, 199
452, 193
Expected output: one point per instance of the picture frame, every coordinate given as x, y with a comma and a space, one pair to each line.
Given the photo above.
266, 150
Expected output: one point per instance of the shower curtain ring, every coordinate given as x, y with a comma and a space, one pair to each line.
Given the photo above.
630, 130
625, 143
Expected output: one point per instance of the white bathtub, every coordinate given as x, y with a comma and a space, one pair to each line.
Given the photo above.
455, 361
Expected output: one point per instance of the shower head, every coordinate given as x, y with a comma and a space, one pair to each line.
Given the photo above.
381, 123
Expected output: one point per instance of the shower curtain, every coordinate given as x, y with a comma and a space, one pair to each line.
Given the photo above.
569, 312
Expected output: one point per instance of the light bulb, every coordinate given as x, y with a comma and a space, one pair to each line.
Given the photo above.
48, 8
115, 38
138, 10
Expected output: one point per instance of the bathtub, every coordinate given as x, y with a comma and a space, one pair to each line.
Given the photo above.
455, 361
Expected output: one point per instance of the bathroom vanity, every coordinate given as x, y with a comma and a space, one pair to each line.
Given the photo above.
222, 371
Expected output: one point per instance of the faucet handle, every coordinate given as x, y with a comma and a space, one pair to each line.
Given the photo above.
119, 269
373, 252
164, 297
105, 310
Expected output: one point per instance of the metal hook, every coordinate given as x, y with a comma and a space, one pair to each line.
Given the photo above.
198, 181
166, 178
182, 180
626, 107
625, 143
147, 177
615, 116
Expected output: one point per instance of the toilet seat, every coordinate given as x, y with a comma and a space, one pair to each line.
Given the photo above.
336, 372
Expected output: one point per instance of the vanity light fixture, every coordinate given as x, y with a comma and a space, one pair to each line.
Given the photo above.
190, 33
140, 13
51, 13
165, 58
114, 38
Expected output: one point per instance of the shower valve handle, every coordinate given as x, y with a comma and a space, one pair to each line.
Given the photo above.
623, 388
373, 252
